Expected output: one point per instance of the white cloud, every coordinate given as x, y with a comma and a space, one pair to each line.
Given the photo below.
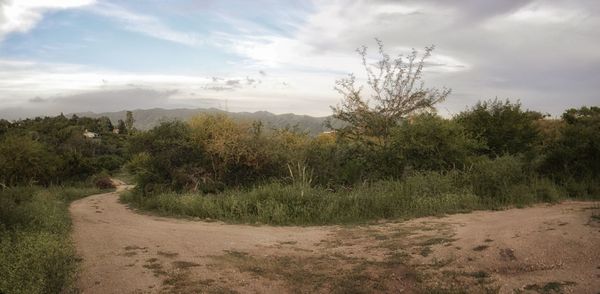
146, 24
22, 15
325, 41
537, 13
542, 52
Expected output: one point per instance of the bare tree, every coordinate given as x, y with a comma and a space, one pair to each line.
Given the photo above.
397, 91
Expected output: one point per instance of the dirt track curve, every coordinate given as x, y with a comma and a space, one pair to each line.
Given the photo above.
528, 250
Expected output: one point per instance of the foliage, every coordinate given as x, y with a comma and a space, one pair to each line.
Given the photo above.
503, 126
166, 158
418, 194
53, 150
429, 142
396, 89
25, 160
35, 248
283, 204
575, 152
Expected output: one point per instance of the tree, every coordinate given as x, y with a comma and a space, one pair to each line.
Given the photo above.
129, 120
504, 126
430, 142
24, 160
104, 125
121, 127
576, 152
234, 156
165, 157
397, 91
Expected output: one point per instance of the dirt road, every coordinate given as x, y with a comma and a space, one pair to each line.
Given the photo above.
536, 249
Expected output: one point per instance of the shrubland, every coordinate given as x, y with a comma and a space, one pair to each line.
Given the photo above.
392, 156
389, 156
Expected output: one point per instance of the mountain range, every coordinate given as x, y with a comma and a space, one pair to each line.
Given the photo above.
147, 118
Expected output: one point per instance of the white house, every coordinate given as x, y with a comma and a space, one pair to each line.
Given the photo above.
89, 134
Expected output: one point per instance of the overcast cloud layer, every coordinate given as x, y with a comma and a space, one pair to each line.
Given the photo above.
284, 56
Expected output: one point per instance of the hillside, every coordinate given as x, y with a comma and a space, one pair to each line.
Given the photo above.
147, 118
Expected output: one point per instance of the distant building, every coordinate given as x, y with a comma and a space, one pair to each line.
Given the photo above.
89, 134
116, 131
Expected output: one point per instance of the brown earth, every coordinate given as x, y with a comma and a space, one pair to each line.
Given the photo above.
540, 249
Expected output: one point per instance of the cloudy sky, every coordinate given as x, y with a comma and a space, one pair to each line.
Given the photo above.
284, 56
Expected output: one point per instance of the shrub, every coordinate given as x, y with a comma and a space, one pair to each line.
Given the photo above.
429, 142
504, 126
103, 182
576, 152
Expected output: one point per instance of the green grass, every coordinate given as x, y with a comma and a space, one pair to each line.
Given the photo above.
36, 252
421, 194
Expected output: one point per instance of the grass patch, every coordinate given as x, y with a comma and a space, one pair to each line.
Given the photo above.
36, 252
420, 194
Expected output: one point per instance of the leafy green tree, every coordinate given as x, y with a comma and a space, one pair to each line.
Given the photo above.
121, 127
129, 120
576, 151
429, 142
104, 125
166, 158
24, 160
503, 126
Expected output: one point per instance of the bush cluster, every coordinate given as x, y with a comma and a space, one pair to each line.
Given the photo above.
54, 150
212, 167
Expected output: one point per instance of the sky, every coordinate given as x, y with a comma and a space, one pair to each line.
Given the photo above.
285, 56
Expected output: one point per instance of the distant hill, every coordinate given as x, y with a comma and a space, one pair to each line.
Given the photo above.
147, 118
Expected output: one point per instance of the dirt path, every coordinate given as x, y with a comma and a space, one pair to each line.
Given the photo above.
532, 249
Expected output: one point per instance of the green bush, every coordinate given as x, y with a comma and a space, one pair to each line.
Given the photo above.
429, 142
503, 126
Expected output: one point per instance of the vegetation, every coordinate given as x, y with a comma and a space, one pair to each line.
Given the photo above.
396, 93
54, 150
45, 163
392, 157
35, 248
387, 156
